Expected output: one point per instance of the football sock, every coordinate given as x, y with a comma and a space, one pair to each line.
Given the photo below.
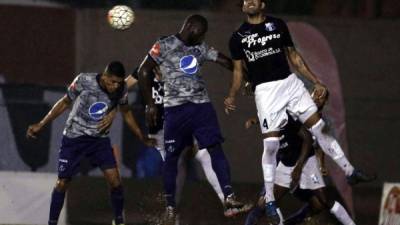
221, 168
204, 158
57, 202
117, 202
271, 147
331, 147
341, 214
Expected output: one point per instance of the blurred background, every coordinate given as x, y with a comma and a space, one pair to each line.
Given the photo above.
352, 45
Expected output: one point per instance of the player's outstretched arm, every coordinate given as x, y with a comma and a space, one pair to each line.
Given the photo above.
235, 86
58, 108
224, 61
145, 77
297, 61
305, 151
130, 82
133, 125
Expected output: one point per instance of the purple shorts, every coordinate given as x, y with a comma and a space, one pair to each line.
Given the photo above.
73, 150
183, 122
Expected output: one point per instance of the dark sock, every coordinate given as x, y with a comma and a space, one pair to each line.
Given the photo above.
221, 168
117, 202
170, 172
57, 202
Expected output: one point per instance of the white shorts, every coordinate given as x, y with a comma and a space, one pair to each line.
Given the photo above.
160, 142
311, 177
274, 99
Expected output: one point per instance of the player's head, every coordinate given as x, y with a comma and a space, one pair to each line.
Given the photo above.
253, 7
195, 27
113, 76
320, 102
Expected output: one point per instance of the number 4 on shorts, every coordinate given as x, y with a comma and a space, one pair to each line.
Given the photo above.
265, 124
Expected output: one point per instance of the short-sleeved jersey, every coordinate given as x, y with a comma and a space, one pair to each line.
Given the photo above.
157, 93
180, 66
262, 48
291, 143
90, 104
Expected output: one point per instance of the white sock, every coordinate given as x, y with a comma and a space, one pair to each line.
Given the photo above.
341, 214
204, 158
331, 147
271, 147
280, 216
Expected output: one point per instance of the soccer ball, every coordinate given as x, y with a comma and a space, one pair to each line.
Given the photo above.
121, 17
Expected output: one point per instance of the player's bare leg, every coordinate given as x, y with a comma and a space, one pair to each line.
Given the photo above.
116, 193
57, 200
332, 148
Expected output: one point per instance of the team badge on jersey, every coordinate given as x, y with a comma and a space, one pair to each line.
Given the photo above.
189, 64
270, 26
97, 110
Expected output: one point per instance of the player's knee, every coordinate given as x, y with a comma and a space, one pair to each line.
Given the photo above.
62, 185
114, 182
271, 146
319, 128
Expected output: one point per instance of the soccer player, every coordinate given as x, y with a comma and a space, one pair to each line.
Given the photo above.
263, 43
298, 171
156, 131
91, 96
188, 111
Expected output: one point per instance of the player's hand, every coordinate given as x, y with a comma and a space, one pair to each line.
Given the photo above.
150, 142
33, 130
296, 174
107, 120
319, 91
229, 104
250, 122
151, 115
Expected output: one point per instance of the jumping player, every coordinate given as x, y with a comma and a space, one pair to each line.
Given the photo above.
157, 132
264, 44
188, 111
91, 95
298, 171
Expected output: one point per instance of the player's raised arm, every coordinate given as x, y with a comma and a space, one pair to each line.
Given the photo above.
58, 108
298, 63
235, 86
145, 76
130, 82
224, 61
133, 125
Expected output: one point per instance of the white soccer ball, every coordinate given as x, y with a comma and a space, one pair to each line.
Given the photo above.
121, 17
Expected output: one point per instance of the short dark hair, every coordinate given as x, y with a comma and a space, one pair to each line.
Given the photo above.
198, 20
240, 2
115, 68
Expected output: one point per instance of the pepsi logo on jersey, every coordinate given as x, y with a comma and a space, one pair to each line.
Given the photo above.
97, 110
189, 64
